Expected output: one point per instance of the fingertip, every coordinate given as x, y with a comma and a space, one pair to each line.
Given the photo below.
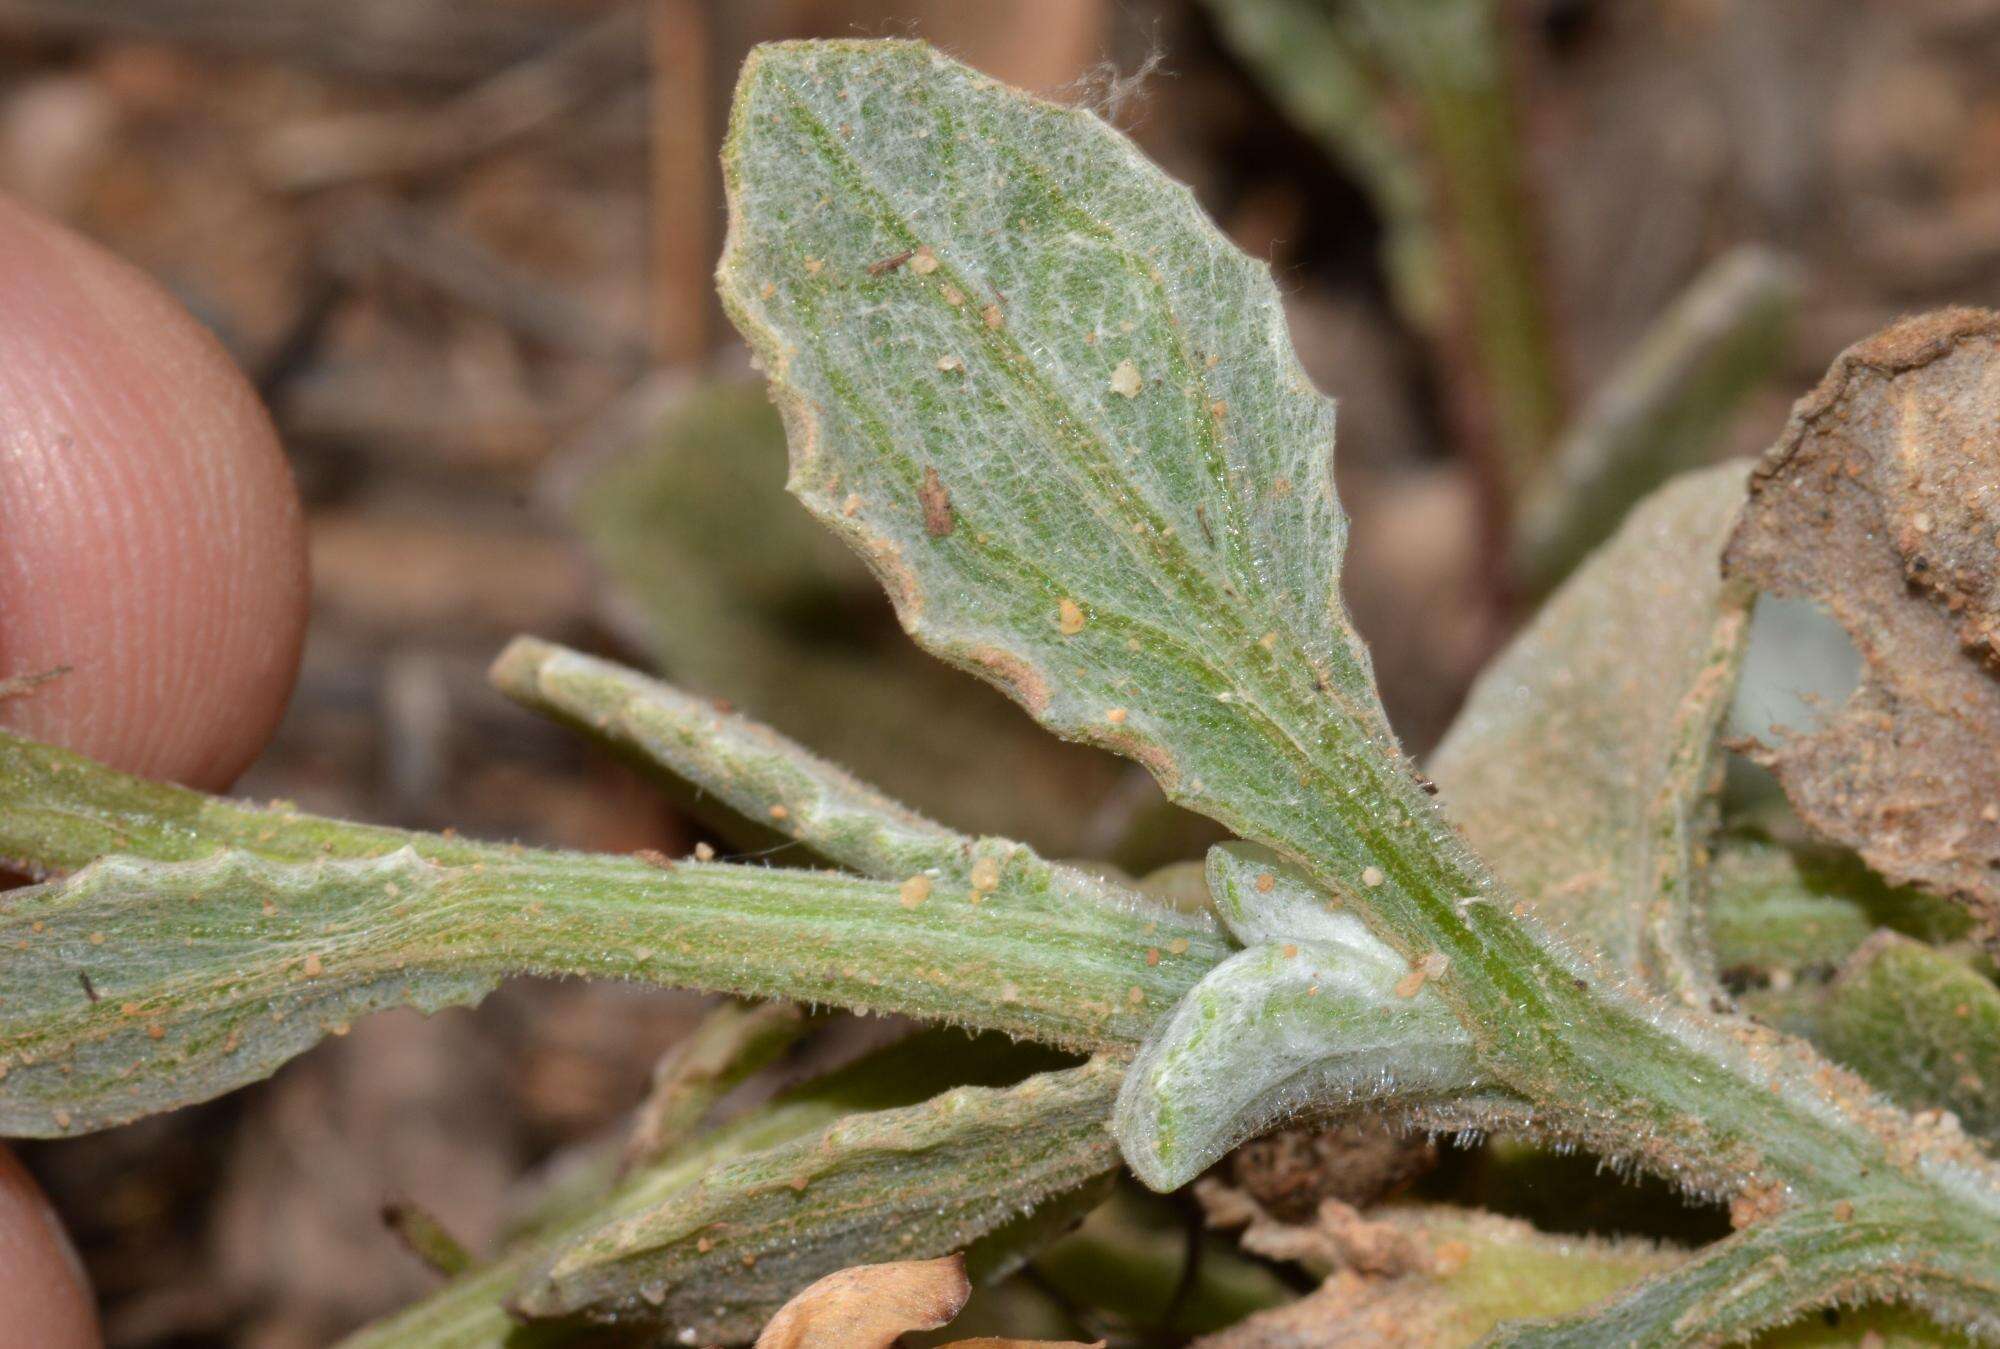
151, 539
44, 1297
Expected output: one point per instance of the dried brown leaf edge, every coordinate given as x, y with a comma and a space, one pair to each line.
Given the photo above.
1881, 503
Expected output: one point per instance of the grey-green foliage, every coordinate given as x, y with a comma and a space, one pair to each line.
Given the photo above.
734, 591
1812, 1254
216, 940
829, 1131
884, 1185
1058, 415
1793, 910
1055, 411
1277, 1029
1920, 1023
1583, 763
1317, 1013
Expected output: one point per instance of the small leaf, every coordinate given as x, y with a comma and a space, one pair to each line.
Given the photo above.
1804, 909
1263, 899
760, 773
921, 1180
426, 1238
728, 1046
870, 1306
1279, 1028
1920, 1024
1583, 763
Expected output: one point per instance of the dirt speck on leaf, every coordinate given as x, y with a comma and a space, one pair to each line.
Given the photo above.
1881, 503
938, 518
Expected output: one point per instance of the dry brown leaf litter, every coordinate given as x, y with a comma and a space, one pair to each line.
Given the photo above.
1881, 503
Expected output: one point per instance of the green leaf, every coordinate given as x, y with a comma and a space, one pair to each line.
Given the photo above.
1803, 909
1319, 1013
470, 1312
759, 773
1309, 1023
896, 1184
1055, 411
1128, 565
1113, 551
1583, 765
1262, 898
732, 1043
1920, 1024
737, 592
241, 936
1801, 1260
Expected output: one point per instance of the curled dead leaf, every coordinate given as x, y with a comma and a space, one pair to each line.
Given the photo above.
868, 1306
1000, 1342
1881, 503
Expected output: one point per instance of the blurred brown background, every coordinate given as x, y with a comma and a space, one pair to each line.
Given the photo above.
464, 248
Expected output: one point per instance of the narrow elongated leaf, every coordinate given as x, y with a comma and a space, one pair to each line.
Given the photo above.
143, 983
1583, 763
1799, 1261
918, 1181
764, 776
470, 1312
